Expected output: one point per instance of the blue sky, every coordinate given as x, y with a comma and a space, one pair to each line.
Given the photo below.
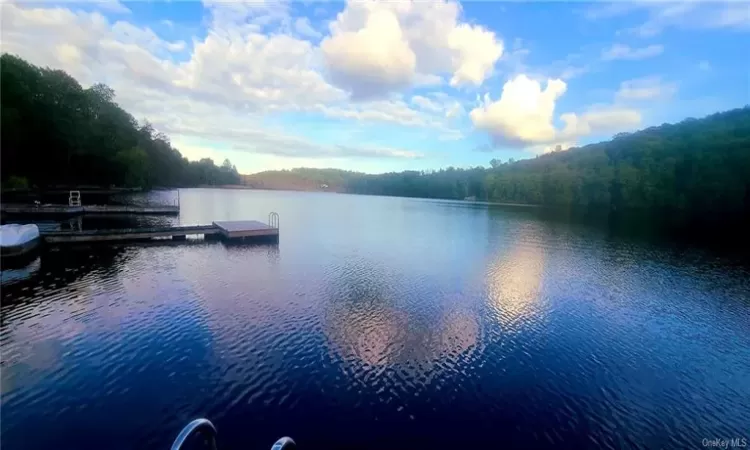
397, 85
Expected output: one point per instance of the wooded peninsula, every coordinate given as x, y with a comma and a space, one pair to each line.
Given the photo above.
55, 132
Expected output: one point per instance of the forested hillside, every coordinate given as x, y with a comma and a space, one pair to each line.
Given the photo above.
302, 179
54, 132
696, 166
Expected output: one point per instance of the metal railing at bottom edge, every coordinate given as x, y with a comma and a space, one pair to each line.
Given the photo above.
205, 426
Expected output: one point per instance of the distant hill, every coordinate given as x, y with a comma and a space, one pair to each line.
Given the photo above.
303, 179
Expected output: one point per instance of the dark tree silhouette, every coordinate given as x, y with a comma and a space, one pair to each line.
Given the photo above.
56, 132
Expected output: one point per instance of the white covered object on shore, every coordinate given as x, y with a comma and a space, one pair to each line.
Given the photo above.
13, 235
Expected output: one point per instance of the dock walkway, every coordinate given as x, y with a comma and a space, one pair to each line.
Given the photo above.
66, 210
231, 230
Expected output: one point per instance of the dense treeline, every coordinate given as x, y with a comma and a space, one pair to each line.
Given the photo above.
302, 179
701, 165
54, 132
696, 166
450, 183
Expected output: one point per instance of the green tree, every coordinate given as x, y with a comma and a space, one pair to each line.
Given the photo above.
56, 132
133, 164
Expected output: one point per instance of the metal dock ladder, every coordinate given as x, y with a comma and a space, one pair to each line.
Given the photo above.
74, 199
273, 220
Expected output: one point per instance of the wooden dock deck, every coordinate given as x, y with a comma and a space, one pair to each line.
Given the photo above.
232, 230
65, 210
245, 228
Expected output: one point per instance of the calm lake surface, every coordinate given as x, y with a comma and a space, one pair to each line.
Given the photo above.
377, 323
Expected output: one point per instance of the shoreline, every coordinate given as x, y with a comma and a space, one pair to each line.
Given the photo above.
472, 202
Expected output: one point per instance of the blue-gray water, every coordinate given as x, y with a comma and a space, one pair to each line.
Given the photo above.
377, 323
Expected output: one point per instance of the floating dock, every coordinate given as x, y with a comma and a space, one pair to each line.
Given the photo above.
81, 189
244, 230
66, 210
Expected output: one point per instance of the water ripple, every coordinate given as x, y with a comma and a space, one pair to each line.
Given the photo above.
434, 326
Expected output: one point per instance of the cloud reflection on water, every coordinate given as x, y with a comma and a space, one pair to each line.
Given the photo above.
514, 283
371, 324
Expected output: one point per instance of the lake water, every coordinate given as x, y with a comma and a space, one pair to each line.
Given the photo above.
377, 323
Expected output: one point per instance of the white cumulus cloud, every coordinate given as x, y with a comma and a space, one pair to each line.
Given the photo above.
475, 52
231, 79
524, 112
373, 60
524, 116
222, 86
379, 47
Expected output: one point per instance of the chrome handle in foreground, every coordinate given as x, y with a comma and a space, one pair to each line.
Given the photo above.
205, 425
285, 443
197, 425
